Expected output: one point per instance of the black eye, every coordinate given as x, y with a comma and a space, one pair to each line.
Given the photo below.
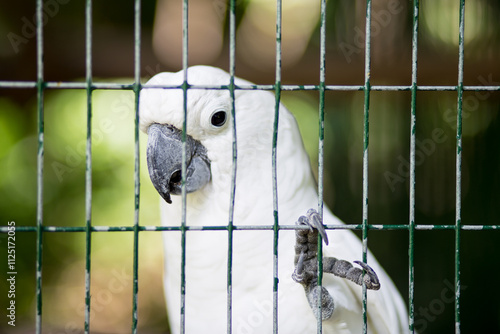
218, 119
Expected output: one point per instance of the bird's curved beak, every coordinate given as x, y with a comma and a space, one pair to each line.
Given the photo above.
164, 156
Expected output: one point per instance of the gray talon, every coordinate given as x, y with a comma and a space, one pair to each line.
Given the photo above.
299, 269
371, 279
314, 220
300, 264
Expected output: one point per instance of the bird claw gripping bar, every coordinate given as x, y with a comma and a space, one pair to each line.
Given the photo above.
306, 265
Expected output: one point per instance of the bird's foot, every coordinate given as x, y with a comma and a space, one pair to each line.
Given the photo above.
306, 265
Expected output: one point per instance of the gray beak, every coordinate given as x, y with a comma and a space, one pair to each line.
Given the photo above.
164, 155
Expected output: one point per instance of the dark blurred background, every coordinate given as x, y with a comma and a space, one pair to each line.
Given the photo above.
113, 150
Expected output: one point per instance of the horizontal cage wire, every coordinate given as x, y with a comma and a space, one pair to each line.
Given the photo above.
366, 224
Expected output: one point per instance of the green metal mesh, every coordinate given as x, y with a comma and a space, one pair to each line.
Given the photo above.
41, 86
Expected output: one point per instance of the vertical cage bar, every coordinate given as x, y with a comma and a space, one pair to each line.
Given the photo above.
274, 169
411, 229
319, 325
88, 160
232, 65
137, 90
40, 159
322, 85
365, 148
185, 86
458, 209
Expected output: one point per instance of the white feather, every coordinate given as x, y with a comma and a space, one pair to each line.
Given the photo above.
252, 269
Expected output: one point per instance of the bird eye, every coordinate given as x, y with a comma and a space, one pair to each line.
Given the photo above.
218, 118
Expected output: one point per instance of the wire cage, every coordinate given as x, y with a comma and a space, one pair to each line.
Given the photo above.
419, 317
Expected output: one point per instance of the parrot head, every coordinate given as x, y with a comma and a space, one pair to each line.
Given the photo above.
210, 138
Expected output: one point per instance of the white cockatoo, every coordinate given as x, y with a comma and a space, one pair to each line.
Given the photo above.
209, 149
